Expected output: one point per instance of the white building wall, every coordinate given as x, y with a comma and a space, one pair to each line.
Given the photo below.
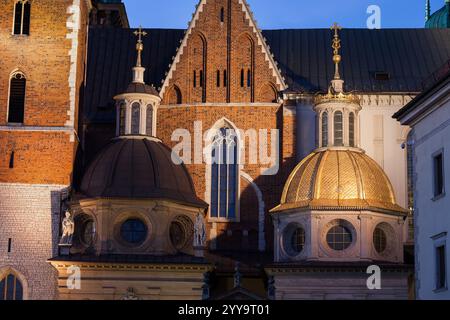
29, 216
432, 216
382, 138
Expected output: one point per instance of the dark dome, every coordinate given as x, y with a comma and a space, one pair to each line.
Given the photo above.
138, 168
136, 87
440, 19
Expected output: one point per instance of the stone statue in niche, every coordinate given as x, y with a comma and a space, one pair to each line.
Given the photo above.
199, 231
68, 228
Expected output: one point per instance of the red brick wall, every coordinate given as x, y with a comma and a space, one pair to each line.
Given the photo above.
43, 57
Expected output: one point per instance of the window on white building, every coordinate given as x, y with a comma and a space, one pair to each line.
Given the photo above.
438, 174
441, 274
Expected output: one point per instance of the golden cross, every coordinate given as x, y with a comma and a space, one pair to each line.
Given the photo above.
139, 33
336, 46
336, 28
139, 46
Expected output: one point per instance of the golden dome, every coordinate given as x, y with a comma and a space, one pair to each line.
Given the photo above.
339, 180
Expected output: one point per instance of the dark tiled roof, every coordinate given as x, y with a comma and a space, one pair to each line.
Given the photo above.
408, 55
133, 259
304, 55
141, 88
111, 57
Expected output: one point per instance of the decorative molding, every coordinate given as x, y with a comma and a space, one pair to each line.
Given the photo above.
73, 23
133, 267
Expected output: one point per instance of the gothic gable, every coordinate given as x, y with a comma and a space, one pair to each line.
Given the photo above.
223, 58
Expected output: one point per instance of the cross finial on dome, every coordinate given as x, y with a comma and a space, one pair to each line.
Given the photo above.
336, 46
139, 46
138, 70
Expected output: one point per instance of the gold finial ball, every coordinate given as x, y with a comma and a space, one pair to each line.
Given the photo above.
337, 58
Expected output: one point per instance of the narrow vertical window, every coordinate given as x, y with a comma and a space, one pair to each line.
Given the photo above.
249, 78
11, 160
218, 79
338, 129
195, 79
201, 78
438, 166
441, 276
149, 120
122, 118
351, 129
224, 174
242, 78
325, 129
225, 78
22, 17
26, 18
9, 245
16, 98
135, 118
222, 15
18, 10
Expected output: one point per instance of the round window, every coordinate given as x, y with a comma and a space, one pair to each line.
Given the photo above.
298, 240
88, 233
379, 240
339, 237
294, 240
133, 231
177, 235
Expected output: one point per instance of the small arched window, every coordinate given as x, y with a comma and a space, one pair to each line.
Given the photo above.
224, 174
242, 78
225, 78
16, 105
222, 15
149, 120
135, 118
11, 288
325, 129
351, 129
22, 16
122, 118
338, 129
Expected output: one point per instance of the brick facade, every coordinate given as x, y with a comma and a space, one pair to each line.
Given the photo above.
52, 58
240, 86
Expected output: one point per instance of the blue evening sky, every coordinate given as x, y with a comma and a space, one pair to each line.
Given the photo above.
278, 14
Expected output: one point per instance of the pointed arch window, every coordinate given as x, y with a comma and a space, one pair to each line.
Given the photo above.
149, 120
325, 129
135, 118
224, 174
11, 288
16, 105
22, 17
338, 129
351, 129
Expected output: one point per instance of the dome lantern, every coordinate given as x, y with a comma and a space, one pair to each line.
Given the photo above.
136, 108
338, 112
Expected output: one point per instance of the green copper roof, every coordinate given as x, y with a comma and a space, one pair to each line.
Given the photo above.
440, 19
